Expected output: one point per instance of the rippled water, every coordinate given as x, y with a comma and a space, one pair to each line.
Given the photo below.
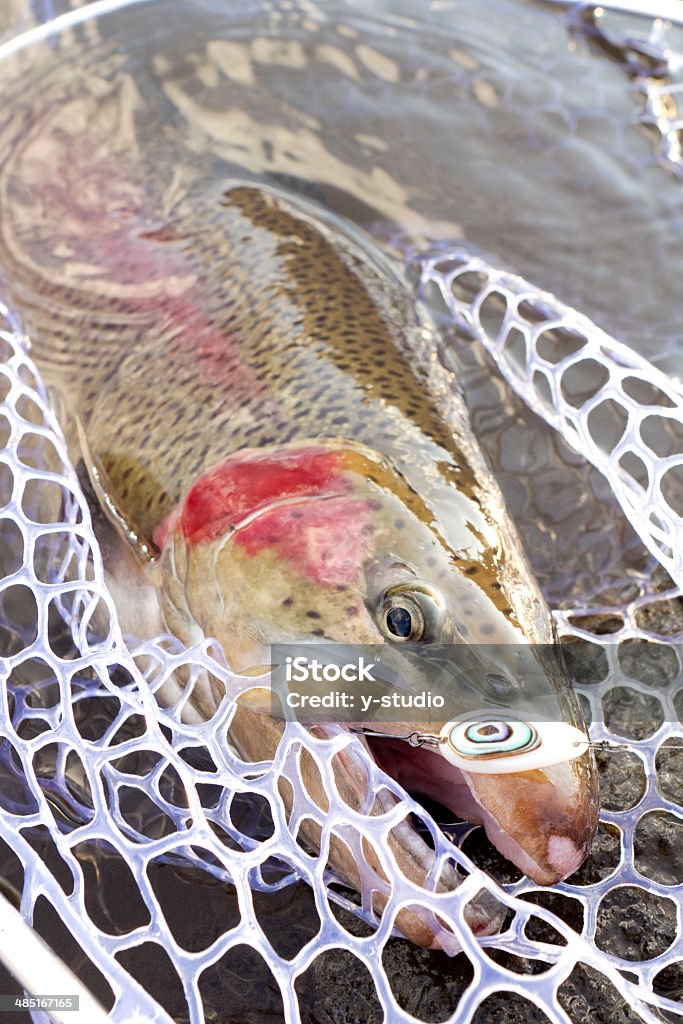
486, 124
462, 120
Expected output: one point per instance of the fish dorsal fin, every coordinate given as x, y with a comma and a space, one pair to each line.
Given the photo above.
107, 498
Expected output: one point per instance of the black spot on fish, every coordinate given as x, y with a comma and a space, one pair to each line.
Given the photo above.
317, 632
288, 601
313, 615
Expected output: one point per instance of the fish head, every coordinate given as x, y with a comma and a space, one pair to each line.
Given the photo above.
325, 542
303, 543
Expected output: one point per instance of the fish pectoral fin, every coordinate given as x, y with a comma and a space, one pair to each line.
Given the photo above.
107, 499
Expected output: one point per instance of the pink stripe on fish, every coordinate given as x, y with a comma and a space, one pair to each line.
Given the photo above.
249, 482
104, 219
327, 540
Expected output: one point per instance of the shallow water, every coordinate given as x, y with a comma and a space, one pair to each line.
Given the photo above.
483, 124
487, 124
494, 129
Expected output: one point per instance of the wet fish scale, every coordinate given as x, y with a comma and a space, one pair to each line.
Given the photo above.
268, 332
315, 363
284, 329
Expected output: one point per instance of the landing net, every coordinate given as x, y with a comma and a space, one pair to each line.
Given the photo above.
155, 861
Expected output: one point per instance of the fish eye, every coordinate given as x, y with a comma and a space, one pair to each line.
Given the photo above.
409, 614
404, 621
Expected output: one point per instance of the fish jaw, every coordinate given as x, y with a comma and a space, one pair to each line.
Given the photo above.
414, 859
542, 820
256, 736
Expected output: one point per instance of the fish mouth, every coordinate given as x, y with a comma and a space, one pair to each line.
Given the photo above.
543, 821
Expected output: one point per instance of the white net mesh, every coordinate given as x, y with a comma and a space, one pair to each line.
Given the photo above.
111, 803
163, 869
613, 407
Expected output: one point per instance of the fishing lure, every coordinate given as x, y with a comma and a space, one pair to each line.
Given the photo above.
483, 743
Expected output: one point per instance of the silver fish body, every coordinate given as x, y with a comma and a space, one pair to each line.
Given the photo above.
276, 423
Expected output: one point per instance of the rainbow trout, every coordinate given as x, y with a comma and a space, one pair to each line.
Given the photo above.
265, 408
